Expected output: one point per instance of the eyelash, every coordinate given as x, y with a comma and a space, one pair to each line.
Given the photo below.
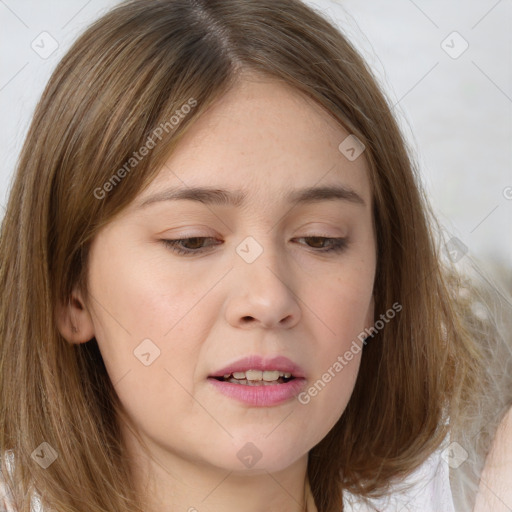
337, 245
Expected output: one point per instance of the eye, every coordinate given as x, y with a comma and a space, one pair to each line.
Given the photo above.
195, 245
333, 244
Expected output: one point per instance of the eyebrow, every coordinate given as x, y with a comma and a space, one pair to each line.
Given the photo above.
216, 196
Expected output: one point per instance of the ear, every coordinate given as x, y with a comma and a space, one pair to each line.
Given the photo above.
74, 320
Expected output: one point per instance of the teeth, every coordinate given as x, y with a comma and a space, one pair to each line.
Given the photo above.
255, 375
269, 376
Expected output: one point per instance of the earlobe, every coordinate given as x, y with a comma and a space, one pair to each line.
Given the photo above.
74, 320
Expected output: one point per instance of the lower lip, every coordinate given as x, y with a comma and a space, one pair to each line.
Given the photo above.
260, 396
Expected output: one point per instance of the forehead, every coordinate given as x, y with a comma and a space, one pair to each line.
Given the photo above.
261, 140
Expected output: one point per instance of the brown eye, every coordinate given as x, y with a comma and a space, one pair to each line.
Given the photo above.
194, 243
318, 242
325, 244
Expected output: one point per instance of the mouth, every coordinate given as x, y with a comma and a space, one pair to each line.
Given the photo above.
258, 381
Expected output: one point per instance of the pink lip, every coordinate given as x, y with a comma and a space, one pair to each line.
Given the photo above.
256, 362
261, 396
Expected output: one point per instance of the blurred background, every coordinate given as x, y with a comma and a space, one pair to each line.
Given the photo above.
446, 68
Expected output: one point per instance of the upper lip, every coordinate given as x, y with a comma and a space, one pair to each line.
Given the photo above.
256, 362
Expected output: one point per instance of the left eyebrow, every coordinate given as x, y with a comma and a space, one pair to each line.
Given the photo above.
216, 196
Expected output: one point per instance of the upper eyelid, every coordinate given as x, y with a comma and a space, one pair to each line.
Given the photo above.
316, 235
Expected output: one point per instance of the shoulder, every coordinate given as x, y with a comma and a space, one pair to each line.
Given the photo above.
495, 492
427, 489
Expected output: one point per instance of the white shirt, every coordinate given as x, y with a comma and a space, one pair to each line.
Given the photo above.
430, 490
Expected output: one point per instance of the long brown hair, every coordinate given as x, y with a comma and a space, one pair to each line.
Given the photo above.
123, 78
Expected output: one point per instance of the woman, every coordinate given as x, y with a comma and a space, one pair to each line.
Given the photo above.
221, 283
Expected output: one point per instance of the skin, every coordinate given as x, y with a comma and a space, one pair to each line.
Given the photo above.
495, 492
210, 309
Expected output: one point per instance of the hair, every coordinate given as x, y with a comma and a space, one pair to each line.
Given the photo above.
124, 78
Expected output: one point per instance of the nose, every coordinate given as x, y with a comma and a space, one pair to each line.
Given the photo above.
262, 294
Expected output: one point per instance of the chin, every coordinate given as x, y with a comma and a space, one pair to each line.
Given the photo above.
257, 454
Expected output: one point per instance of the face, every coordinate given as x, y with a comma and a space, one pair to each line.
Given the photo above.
275, 275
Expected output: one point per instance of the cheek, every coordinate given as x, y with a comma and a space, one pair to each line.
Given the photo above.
150, 341
143, 296
142, 313
342, 307
343, 304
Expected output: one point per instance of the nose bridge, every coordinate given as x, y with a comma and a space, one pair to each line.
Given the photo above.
261, 256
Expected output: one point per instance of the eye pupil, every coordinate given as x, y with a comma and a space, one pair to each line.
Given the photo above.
196, 245
317, 239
